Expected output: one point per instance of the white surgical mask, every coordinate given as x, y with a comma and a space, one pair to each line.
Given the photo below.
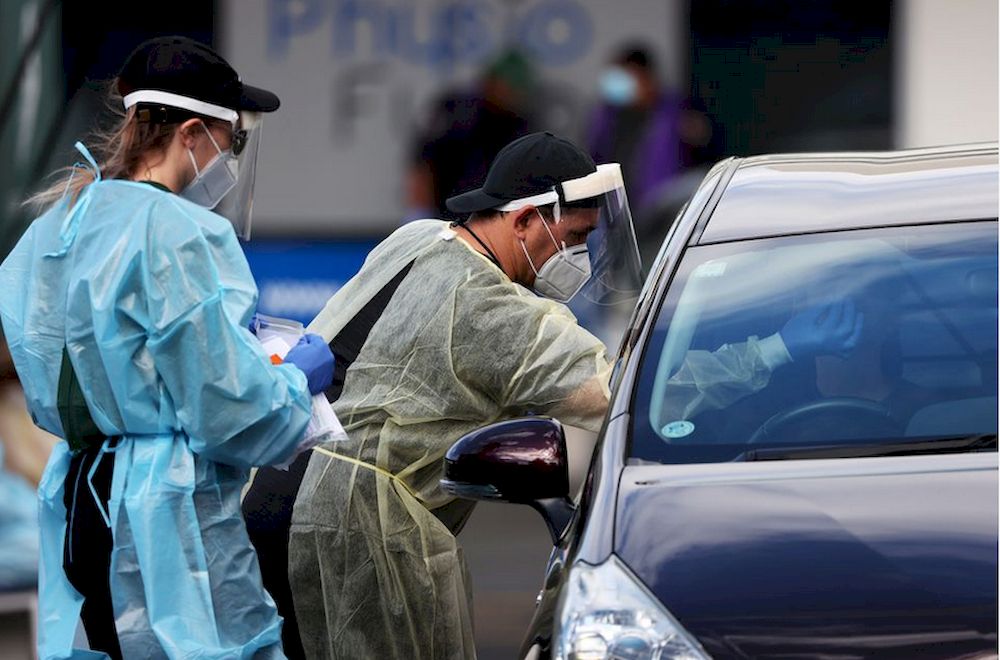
564, 273
212, 183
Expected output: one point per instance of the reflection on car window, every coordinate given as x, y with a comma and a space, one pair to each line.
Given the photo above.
846, 337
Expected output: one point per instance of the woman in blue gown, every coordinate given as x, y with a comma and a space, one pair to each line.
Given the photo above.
126, 306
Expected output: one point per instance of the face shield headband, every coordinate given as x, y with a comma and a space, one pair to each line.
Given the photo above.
156, 97
607, 179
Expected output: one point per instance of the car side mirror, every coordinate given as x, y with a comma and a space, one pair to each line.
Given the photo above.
522, 461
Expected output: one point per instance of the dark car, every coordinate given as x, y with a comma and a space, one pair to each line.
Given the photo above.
835, 502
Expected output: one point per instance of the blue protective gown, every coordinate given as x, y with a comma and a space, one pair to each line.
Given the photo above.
152, 295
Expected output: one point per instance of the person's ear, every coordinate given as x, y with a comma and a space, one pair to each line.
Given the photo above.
521, 219
189, 131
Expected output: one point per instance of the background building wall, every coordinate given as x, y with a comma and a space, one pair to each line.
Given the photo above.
355, 76
947, 72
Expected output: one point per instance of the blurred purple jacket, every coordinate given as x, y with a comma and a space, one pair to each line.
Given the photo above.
657, 156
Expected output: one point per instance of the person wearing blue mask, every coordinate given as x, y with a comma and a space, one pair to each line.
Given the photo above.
639, 123
125, 305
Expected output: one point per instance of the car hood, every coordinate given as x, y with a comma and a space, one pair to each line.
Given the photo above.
823, 558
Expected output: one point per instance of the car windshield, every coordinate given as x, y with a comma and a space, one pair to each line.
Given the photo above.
837, 339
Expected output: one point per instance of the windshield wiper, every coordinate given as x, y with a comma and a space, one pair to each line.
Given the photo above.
945, 445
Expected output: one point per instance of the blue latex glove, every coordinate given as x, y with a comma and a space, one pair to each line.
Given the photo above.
314, 358
832, 329
254, 322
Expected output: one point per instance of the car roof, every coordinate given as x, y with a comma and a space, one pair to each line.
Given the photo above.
784, 194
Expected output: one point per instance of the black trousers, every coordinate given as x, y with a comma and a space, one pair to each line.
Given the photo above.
87, 548
267, 509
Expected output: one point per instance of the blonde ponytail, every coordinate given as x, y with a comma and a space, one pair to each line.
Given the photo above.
119, 152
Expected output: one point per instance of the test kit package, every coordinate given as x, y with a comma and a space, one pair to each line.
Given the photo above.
277, 336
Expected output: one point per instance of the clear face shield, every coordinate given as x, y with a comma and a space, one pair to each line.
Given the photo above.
237, 203
616, 271
605, 270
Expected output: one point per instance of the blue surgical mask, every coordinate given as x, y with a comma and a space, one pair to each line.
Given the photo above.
619, 87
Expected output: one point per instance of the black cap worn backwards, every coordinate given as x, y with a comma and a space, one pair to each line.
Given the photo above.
528, 166
188, 68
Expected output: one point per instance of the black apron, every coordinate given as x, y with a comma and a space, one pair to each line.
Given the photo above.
88, 543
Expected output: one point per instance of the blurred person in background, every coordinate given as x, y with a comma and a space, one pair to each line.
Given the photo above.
24, 448
125, 305
657, 135
440, 333
18, 530
466, 128
647, 128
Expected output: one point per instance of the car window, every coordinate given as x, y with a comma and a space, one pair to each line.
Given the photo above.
844, 337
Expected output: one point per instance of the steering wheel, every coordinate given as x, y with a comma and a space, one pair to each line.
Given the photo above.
873, 414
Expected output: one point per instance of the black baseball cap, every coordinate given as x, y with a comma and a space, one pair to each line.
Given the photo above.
529, 165
185, 67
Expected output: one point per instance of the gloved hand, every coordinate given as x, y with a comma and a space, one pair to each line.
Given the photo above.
832, 329
254, 322
314, 358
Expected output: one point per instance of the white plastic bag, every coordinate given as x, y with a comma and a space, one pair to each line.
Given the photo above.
277, 336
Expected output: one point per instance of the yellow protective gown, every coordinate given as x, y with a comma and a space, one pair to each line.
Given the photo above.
374, 566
